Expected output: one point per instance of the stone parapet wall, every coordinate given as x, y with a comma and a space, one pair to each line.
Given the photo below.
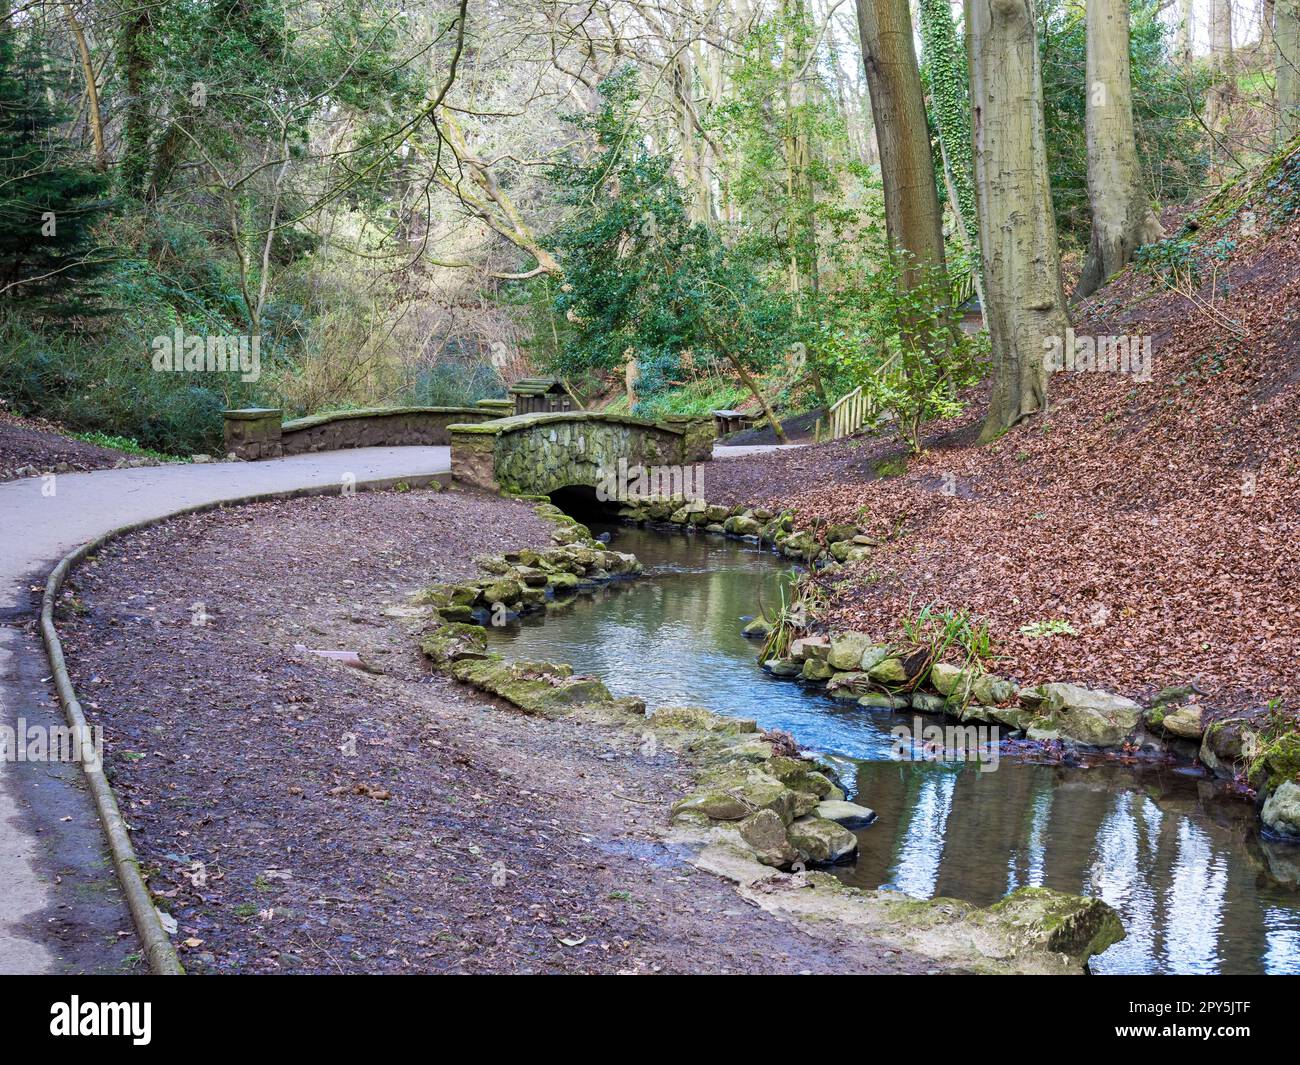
259, 434
253, 433
701, 433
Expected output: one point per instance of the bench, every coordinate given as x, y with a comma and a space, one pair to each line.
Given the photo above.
731, 421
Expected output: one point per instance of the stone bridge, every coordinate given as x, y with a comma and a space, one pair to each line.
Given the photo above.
537, 454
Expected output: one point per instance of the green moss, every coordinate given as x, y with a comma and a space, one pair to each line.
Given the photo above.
313, 420
697, 718
1277, 762
544, 688
454, 641
1065, 924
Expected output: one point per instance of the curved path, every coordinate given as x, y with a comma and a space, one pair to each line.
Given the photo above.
739, 451
59, 906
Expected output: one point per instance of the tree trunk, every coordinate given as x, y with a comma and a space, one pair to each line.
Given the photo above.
93, 118
1286, 44
912, 219
1122, 218
967, 228
134, 58
1018, 248
1218, 102
945, 67
1183, 33
757, 393
694, 175
801, 200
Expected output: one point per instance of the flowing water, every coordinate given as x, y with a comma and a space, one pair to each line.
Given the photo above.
1198, 890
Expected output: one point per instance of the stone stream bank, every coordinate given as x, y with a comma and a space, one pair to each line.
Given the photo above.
760, 814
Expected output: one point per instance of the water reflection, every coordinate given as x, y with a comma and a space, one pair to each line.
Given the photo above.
1198, 891
915, 871
1193, 898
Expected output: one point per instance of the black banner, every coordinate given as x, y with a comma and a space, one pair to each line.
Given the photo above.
335, 1014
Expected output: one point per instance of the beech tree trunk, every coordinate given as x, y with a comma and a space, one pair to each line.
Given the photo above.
912, 219
1218, 102
1122, 218
1286, 50
1183, 33
1018, 245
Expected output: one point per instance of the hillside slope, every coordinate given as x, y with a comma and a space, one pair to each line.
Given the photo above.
1160, 519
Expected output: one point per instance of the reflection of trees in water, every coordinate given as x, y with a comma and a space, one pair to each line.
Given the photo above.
1195, 893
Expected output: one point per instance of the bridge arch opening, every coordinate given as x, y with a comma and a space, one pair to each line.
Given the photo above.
580, 501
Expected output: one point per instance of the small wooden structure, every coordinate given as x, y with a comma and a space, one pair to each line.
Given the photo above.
730, 421
542, 394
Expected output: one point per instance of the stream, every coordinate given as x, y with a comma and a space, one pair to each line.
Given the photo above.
1198, 890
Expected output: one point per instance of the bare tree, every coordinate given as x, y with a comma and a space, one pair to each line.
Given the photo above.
1219, 100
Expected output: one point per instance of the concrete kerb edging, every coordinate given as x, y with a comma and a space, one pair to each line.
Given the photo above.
158, 948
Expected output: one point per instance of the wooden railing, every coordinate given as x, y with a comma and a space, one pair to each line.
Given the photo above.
847, 414
853, 410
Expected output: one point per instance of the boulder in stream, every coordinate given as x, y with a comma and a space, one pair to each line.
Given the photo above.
814, 669
1281, 813
1072, 925
848, 814
765, 833
884, 701
1081, 715
947, 679
822, 841
782, 667
807, 647
846, 650
990, 690
1181, 721
1227, 744
889, 671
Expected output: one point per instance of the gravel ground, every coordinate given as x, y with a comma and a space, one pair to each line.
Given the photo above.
297, 814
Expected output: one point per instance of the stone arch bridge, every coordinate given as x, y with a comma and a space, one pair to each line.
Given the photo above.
537, 454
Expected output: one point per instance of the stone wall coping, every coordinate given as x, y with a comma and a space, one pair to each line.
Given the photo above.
313, 420
517, 422
248, 414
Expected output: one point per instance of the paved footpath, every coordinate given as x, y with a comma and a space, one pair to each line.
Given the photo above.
59, 905
739, 451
